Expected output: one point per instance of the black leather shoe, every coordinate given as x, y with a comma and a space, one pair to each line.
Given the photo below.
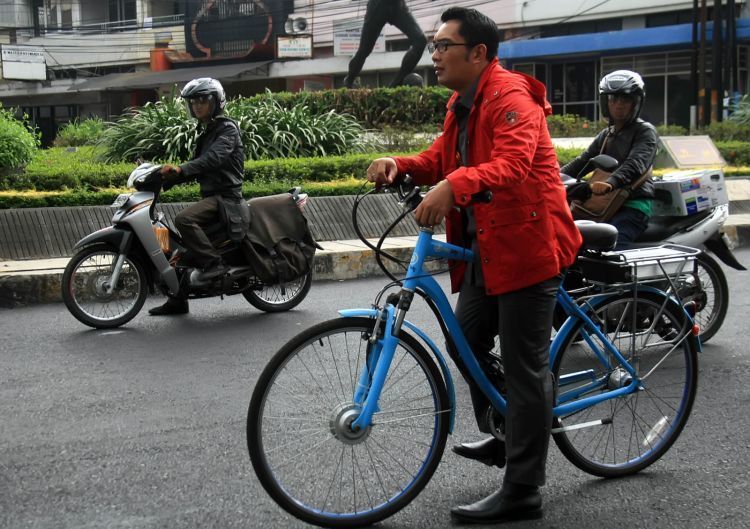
491, 451
510, 503
171, 307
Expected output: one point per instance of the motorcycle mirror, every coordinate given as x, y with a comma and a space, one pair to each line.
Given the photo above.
604, 162
567, 180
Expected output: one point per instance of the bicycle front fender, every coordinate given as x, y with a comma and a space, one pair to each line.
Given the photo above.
447, 377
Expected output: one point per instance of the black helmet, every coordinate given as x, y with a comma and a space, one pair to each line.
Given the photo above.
205, 86
622, 82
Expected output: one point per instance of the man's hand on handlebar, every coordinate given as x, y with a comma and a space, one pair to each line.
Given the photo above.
436, 205
169, 175
382, 171
600, 188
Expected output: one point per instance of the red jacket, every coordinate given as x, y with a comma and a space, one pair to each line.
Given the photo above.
526, 233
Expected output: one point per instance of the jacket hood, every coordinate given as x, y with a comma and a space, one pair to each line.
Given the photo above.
534, 87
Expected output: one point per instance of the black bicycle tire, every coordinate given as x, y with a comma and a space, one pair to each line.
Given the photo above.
254, 442
607, 471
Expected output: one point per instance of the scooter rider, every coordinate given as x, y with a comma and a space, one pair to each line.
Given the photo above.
632, 142
217, 165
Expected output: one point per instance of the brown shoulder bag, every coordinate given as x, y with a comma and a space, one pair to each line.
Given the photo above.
601, 208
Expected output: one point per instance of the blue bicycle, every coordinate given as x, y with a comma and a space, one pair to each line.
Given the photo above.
349, 420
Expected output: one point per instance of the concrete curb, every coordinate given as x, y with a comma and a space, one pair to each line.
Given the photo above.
28, 282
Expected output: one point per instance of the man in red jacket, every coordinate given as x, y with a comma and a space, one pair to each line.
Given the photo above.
495, 138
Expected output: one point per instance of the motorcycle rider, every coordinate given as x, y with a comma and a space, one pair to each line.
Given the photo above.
632, 142
217, 165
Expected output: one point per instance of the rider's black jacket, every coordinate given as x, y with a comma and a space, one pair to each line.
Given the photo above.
634, 146
218, 162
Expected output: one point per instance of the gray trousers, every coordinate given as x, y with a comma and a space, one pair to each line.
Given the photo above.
190, 222
523, 321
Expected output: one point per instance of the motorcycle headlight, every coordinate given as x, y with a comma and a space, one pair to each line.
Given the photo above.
120, 200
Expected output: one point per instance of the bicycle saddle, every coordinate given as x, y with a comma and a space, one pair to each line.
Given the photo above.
598, 237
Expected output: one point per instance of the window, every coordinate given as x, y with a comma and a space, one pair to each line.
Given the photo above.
121, 10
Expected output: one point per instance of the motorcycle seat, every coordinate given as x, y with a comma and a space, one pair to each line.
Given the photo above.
661, 228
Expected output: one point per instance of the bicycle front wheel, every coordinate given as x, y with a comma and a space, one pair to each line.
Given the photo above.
624, 435
301, 445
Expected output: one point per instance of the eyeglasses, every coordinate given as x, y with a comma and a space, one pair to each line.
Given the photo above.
200, 100
442, 46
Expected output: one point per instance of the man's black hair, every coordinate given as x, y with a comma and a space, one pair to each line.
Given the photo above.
475, 28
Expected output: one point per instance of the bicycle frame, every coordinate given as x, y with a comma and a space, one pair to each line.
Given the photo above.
391, 318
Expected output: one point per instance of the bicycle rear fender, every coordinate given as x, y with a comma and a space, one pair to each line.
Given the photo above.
372, 313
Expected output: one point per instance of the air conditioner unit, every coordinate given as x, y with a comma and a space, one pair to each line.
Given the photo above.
294, 25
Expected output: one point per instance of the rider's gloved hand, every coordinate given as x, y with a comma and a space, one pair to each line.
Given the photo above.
580, 191
169, 176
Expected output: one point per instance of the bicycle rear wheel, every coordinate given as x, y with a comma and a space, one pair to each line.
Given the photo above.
302, 449
624, 435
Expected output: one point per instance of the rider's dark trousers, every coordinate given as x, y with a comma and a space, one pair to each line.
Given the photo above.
630, 223
189, 222
523, 321
377, 15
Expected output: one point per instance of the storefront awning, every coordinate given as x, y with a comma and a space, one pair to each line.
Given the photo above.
149, 79
612, 42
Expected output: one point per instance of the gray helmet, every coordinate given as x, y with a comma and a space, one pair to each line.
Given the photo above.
205, 86
622, 82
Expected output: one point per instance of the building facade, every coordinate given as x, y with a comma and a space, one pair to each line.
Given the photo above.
63, 59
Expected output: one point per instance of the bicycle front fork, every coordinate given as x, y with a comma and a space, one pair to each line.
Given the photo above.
381, 348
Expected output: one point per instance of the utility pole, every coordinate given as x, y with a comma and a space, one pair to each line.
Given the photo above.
703, 94
694, 71
717, 85
731, 63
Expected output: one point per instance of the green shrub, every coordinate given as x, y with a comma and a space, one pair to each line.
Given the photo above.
76, 133
403, 107
270, 130
156, 131
741, 111
58, 168
572, 126
735, 152
184, 193
162, 131
567, 154
17, 143
727, 131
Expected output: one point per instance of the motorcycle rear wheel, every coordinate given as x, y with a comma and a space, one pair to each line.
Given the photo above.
281, 297
84, 287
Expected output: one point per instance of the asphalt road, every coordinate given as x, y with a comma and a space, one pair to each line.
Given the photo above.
144, 427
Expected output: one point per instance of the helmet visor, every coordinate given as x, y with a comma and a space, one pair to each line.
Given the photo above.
621, 98
200, 106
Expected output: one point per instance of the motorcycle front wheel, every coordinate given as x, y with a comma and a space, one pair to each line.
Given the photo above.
85, 288
280, 297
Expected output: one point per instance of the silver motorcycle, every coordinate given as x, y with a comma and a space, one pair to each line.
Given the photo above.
705, 284
106, 282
